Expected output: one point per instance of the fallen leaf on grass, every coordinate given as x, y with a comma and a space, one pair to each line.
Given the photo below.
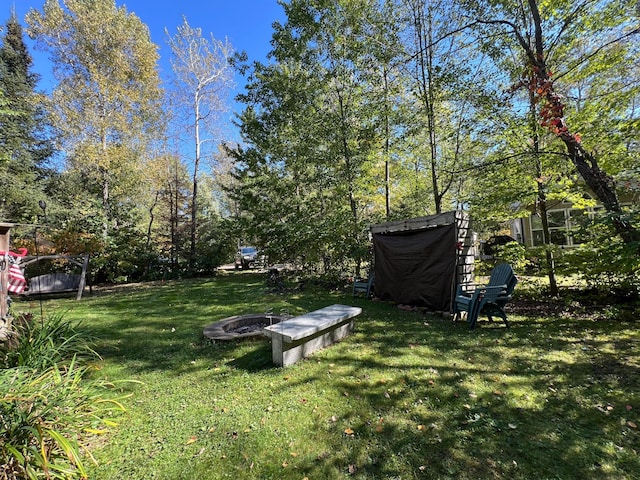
629, 407
349, 431
512, 426
191, 440
632, 424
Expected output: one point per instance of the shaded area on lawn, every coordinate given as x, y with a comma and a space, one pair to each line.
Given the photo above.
407, 395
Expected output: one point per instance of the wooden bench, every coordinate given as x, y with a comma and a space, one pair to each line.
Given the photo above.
298, 337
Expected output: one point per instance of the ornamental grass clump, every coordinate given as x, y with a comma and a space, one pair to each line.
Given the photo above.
40, 344
50, 407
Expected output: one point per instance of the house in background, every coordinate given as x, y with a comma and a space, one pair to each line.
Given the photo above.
565, 224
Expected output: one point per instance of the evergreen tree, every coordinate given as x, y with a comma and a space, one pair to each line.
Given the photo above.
23, 142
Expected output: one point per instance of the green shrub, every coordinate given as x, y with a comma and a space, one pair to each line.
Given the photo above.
604, 261
608, 265
46, 419
513, 253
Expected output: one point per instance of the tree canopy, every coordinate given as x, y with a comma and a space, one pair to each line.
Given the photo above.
364, 111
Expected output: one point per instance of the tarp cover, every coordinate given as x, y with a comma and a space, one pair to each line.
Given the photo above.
416, 267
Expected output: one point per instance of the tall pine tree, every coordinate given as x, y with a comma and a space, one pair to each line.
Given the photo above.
23, 142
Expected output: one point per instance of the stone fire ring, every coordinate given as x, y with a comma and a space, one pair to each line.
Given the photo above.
240, 326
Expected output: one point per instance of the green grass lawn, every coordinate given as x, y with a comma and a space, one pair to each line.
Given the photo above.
406, 396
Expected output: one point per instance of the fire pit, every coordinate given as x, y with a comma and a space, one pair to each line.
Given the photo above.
240, 326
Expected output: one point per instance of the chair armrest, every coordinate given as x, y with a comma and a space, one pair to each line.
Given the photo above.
468, 288
493, 292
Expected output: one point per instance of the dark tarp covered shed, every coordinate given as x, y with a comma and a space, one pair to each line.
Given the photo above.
421, 261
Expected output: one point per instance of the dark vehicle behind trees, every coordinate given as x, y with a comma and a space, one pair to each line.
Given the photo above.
246, 257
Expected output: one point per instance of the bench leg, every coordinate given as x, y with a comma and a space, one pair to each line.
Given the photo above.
277, 352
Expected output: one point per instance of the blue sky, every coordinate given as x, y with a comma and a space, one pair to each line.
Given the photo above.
246, 23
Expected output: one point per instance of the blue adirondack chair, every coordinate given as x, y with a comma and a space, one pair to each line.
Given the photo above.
364, 286
487, 299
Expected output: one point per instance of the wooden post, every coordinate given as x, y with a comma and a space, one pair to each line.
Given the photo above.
83, 276
5, 246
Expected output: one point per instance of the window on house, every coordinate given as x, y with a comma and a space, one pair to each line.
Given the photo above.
564, 227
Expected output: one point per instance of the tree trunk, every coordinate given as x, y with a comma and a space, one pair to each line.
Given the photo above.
105, 203
546, 235
602, 185
387, 148
151, 219
194, 197
542, 197
423, 28
175, 224
350, 176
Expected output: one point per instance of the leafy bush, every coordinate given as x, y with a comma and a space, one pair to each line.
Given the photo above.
513, 253
604, 261
46, 418
607, 265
